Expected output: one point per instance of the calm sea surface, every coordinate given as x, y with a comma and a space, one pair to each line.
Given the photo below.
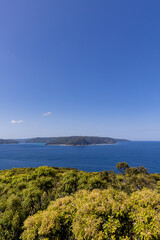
87, 158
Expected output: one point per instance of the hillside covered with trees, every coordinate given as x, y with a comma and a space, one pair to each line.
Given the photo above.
67, 204
82, 140
68, 141
8, 141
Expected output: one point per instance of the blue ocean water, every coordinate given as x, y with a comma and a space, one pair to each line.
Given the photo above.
87, 158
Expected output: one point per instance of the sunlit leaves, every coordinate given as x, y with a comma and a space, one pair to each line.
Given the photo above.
100, 214
82, 205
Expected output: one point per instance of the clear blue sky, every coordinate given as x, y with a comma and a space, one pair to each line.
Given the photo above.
94, 65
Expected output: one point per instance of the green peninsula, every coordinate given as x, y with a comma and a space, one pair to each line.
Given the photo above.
8, 141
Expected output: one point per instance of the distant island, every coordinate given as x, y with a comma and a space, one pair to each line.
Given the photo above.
67, 141
75, 140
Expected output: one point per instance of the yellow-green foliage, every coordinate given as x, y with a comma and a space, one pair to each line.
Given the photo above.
80, 205
100, 214
145, 213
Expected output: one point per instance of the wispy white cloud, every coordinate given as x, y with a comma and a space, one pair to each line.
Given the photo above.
46, 114
16, 121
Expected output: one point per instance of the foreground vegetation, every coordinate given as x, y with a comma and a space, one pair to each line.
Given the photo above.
59, 203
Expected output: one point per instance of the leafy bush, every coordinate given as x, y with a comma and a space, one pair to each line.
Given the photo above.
99, 214
80, 205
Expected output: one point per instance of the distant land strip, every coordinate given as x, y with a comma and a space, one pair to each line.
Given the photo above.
67, 141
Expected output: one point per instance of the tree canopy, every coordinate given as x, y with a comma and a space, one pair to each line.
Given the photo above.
64, 203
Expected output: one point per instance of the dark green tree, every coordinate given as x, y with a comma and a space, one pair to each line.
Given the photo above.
122, 166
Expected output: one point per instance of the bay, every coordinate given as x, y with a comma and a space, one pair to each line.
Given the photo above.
87, 158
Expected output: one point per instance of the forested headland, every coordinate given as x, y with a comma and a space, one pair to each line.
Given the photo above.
62, 203
8, 141
75, 140
68, 141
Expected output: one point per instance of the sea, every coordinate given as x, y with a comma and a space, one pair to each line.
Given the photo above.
93, 158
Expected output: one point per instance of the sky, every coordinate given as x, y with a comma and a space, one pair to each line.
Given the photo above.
81, 67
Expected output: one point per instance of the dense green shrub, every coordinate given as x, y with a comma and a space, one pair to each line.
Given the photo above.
99, 214
80, 205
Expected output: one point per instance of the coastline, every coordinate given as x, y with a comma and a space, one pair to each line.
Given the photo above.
67, 145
